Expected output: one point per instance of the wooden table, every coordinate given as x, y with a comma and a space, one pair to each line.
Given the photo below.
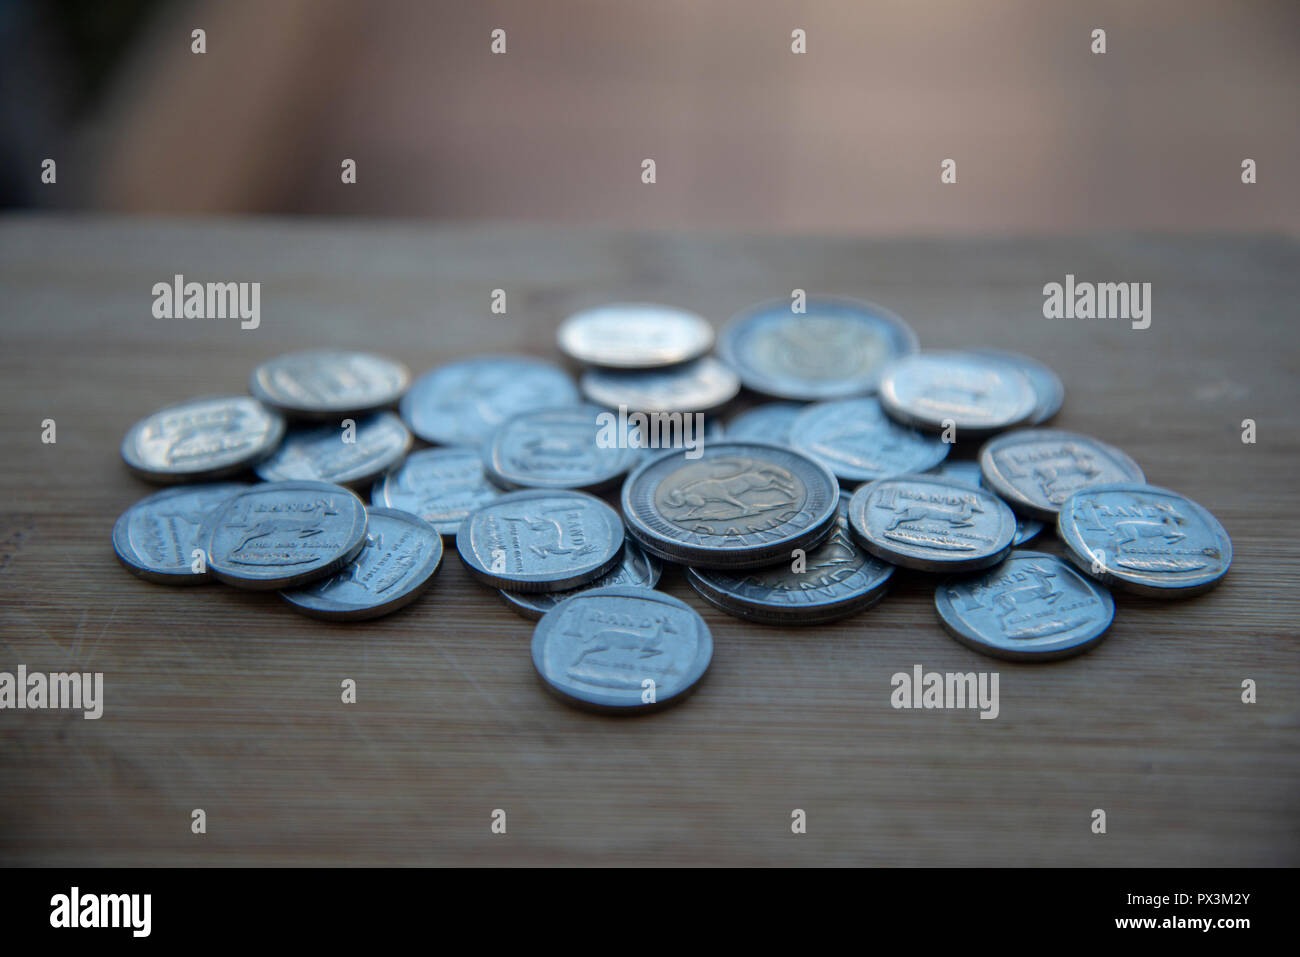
230, 702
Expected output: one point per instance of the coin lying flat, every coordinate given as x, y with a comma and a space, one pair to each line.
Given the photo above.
698, 386
769, 422
538, 540
635, 568
400, 556
328, 385
1036, 470
1032, 607
1144, 539
461, 403
931, 524
202, 439
573, 446
157, 536
634, 335
339, 454
836, 349
442, 486
859, 443
1047, 384
977, 394
738, 505
622, 650
969, 473
280, 535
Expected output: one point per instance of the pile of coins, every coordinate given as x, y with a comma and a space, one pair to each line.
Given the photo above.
800, 510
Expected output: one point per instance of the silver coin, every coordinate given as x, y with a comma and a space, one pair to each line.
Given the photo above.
738, 505
931, 524
622, 650
342, 455
539, 540
329, 385
836, 349
202, 439
976, 394
698, 386
442, 486
280, 535
1144, 539
859, 443
1036, 470
398, 561
461, 403
635, 335
156, 538
769, 422
1032, 607
968, 473
575, 446
636, 567
1047, 384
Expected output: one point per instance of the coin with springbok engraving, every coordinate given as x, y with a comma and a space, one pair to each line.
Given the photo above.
1032, 607
157, 537
1036, 470
859, 443
634, 335
574, 446
769, 422
622, 650
352, 452
635, 568
442, 486
975, 394
699, 386
329, 385
1144, 539
202, 439
968, 473
1047, 384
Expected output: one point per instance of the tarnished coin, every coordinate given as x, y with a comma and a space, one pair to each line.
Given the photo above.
156, 538
635, 335
574, 446
1144, 539
341, 453
977, 394
538, 540
697, 386
329, 385
1036, 470
622, 650
1047, 384
859, 443
635, 568
461, 403
931, 524
202, 439
1032, 607
738, 505
836, 349
442, 486
401, 554
968, 473
769, 422
281, 535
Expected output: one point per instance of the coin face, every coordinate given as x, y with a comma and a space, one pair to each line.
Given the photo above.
156, 538
398, 561
202, 439
769, 422
968, 473
636, 567
338, 453
931, 524
328, 385
622, 650
442, 486
538, 540
836, 349
1047, 384
281, 535
574, 446
637, 335
1036, 470
977, 394
859, 443
461, 403
738, 505
697, 386
1032, 607
1144, 539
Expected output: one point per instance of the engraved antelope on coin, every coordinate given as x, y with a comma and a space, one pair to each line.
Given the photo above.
720, 497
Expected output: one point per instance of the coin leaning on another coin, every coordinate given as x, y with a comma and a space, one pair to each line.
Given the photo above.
325, 384
201, 440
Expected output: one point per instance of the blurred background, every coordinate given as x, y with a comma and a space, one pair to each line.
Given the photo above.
848, 138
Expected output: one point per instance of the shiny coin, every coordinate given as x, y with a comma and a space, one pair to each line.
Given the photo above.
697, 386
1144, 539
401, 554
1047, 384
157, 537
574, 446
738, 505
859, 443
442, 486
622, 650
968, 473
202, 439
1036, 470
635, 568
539, 540
1032, 607
931, 524
635, 336
975, 393
834, 350
342, 454
769, 422
329, 385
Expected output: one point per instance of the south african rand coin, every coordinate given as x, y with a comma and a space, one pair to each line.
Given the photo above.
736, 505
835, 349
156, 538
202, 439
931, 524
329, 385
339, 453
635, 568
1047, 384
968, 473
461, 403
280, 535
401, 554
634, 335
541, 540
698, 386
442, 486
1032, 607
769, 422
574, 446
1145, 540
975, 394
621, 650
1036, 470
859, 443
